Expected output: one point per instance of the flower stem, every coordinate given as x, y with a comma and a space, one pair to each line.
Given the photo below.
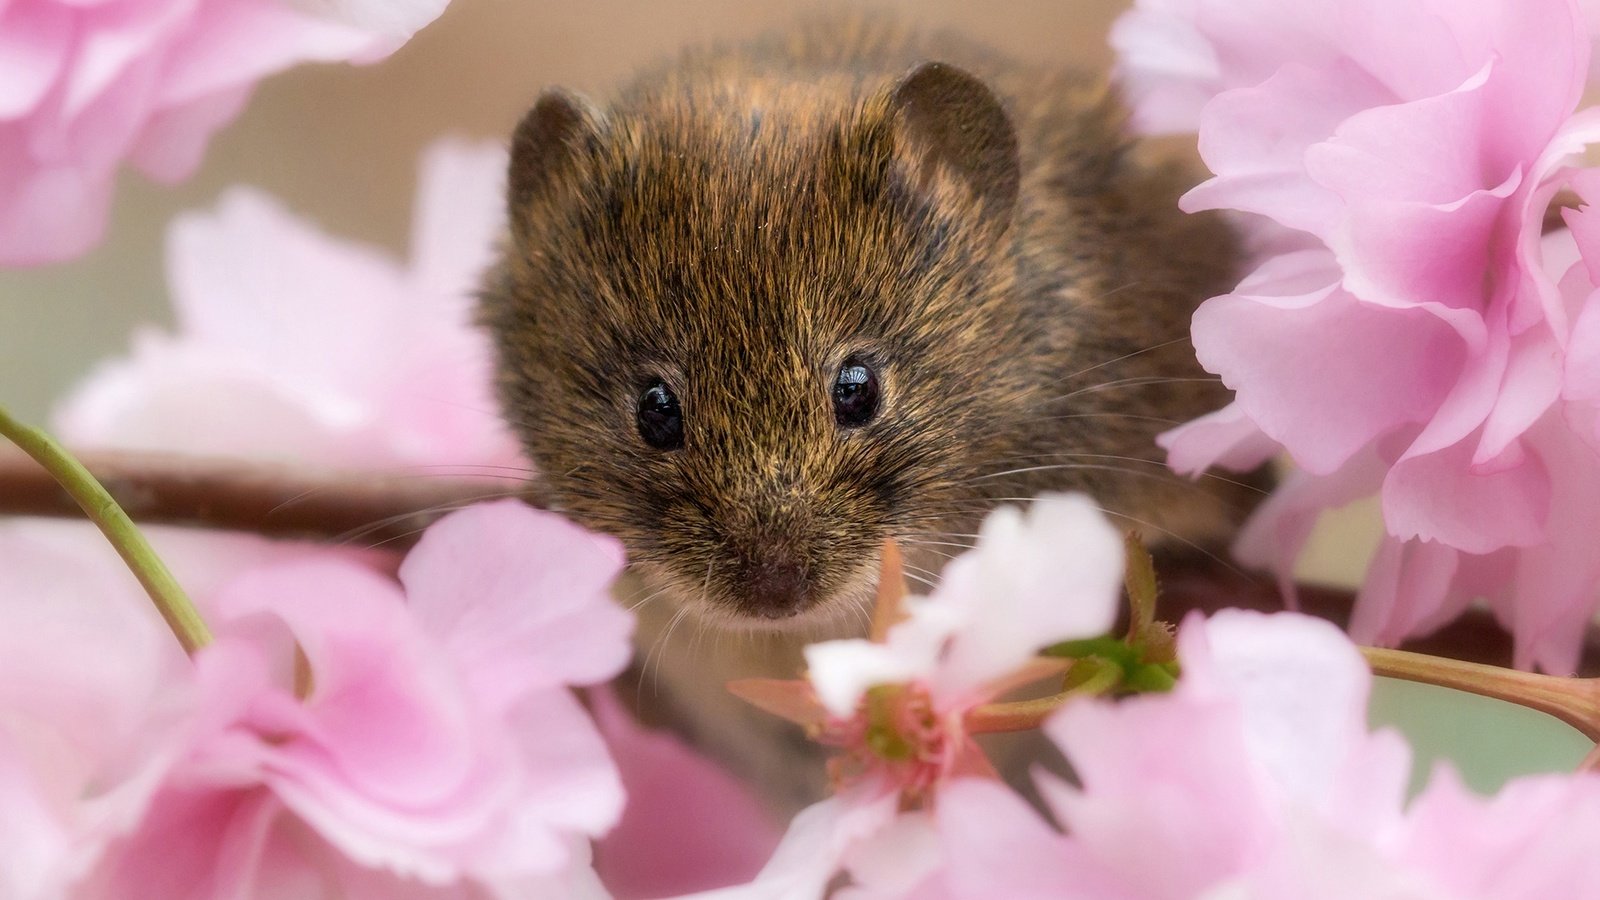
130, 544
1023, 715
1575, 701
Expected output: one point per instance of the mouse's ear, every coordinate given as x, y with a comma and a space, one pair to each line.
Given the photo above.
546, 145
944, 116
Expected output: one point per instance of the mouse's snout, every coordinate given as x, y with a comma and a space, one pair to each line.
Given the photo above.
777, 586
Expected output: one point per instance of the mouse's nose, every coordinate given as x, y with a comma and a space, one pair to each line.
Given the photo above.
777, 588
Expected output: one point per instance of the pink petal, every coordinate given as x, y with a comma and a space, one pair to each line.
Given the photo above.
790, 699
234, 43
994, 845
172, 142
35, 39
1279, 529
1271, 711
1532, 840
1302, 690
1208, 815
1166, 67
902, 860
814, 847
1255, 140
574, 784
1323, 407
384, 711
142, 403
460, 213
397, 19
1442, 497
841, 671
688, 825
114, 40
1407, 589
246, 278
48, 212
1556, 586
521, 598
1052, 575
249, 277
1226, 438
37, 844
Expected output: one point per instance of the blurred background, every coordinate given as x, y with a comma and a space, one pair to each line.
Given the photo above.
339, 145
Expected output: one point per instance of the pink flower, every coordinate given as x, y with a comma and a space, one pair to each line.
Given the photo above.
356, 739
1413, 345
93, 697
295, 346
85, 86
897, 709
1255, 778
1037, 578
688, 825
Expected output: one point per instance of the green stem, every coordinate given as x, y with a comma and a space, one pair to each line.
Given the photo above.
1575, 701
130, 544
1025, 715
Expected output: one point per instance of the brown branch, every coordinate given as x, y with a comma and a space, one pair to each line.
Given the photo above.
233, 495
392, 509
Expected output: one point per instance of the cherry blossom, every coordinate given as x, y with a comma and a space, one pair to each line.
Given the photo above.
344, 734
897, 709
1412, 342
86, 86
294, 346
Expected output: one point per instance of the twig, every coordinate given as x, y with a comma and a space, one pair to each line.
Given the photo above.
1575, 701
233, 495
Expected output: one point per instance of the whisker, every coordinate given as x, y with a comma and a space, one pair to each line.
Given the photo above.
635, 606
1136, 381
1160, 420
385, 522
921, 543
1151, 349
1173, 535
660, 645
1163, 473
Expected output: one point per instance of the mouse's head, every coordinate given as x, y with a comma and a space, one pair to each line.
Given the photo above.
754, 329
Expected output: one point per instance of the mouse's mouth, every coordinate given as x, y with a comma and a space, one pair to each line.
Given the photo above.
775, 599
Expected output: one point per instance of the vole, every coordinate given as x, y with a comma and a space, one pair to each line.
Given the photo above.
775, 303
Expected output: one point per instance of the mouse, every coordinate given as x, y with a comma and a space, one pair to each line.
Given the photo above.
774, 303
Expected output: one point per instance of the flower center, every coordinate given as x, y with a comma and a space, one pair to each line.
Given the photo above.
895, 734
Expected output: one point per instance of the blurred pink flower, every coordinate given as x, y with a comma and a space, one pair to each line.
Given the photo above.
93, 697
1415, 145
688, 825
87, 85
294, 346
1255, 778
1034, 579
344, 735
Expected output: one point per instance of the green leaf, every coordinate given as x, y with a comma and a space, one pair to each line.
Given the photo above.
1107, 647
1152, 678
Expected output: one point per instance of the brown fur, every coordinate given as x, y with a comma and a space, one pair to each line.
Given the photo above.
741, 221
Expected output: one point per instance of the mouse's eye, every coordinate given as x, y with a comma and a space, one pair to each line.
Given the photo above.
855, 394
660, 417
